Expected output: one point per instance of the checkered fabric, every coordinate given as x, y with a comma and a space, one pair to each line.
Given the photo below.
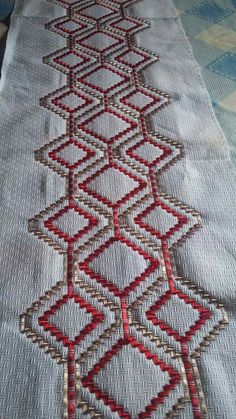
211, 29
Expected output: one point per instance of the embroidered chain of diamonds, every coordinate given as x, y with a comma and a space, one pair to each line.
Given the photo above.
111, 160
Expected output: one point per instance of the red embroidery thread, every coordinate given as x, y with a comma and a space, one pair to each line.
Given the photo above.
82, 27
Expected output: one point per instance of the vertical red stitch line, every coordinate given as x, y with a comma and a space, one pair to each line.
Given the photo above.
129, 45
116, 223
153, 185
167, 262
184, 349
124, 317
136, 80
169, 273
191, 382
165, 250
69, 10
70, 121
102, 60
71, 382
71, 187
70, 263
110, 155
133, 71
70, 250
105, 101
143, 125
70, 286
115, 211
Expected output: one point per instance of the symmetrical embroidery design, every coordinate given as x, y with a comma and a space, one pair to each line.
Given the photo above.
123, 326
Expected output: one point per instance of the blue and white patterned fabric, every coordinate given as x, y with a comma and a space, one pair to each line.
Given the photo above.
211, 29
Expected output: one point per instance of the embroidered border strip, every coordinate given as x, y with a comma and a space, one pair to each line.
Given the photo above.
111, 159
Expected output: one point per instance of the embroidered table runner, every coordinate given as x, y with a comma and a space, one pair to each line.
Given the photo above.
114, 312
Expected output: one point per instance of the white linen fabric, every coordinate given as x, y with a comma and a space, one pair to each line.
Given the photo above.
31, 382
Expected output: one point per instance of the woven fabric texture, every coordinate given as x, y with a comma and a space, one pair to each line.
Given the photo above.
211, 28
112, 156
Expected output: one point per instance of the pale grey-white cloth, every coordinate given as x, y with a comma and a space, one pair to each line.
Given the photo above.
31, 383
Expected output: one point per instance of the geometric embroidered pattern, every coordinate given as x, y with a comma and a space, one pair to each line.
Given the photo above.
46, 321
167, 300
125, 328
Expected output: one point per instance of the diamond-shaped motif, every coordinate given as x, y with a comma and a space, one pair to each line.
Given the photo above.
101, 185
70, 319
101, 41
66, 60
64, 222
184, 314
145, 369
71, 154
121, 278
70, 223
104, 78
161, 220
69, 26
108, 125
180, 316
98, 12
71, 101
119, 256
135, 58
144, 100
71, 60
128, 25
89, 315
66, 101
164, 313
149, 152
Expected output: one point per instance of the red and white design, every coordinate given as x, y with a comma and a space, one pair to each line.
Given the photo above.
115, 229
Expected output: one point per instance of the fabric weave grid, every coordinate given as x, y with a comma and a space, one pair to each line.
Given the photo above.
115, 199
